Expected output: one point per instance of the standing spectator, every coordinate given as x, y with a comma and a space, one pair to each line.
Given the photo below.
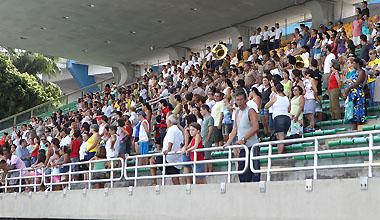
265, 93
364, 51
365, 10
246, 126
278, 35
373, 69
217, 113
188, 154
240, 48
265, 41
207, 130
333, 90
355, 93
281, 119
143, 137
74, 148
252, 40
327, 65
310, 86
357, 29
296, 112
172, 144
93, 142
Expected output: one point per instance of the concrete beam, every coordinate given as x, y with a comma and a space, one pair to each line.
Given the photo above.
123, 73
286, 200
321, 11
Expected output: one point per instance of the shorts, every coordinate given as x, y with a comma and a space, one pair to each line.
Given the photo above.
356, 40
144, 147
264, 111
217, 135
170, 170
317, 56
90, 155
226, 129
200, 168
136, 139
281, 123
309, 107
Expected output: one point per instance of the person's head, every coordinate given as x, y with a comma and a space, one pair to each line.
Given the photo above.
328, 49
94, 128
55, 142
178, 99
363, 39
101, 153
141, 115
279, 88
65, 150
23, 143
297, 90
36, 140
7, 154
205, 110
240, 98
13, 148
277, 25
171, 120
195, 129
41, 156
85, 136
364, 4
335, 65
190, 118
218, 96
76, 134
265, 81
358, 63
372, 54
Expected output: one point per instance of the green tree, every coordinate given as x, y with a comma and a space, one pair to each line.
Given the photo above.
21, 91
33, 63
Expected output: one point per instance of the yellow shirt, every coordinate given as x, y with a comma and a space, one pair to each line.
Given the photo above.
372, 64
90, 142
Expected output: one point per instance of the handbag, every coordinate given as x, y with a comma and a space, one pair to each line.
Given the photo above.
348, 110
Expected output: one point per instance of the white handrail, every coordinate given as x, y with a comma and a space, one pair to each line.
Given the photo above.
194, 174
315, 153
25, 179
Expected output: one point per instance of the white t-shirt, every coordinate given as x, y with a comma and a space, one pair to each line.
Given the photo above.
278, 33
240, 45
65, 141
217, 112
259, 37
253, 105
272, 34
174, 136
266, 35
252, 39
328, 63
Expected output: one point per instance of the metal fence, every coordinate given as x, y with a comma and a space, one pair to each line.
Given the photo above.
136, 169
367, 138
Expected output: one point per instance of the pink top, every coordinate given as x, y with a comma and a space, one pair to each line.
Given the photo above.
357, 28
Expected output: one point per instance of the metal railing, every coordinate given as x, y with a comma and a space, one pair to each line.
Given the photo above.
316, 153
50, 105
31, 179
135, 169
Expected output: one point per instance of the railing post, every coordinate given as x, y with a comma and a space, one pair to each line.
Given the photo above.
20, 180
89, 175
370, 154
229, 164
316, 145
111, 175
35, 180
69, 184
15, 121
269, 161
136, 164
163, 169
195, 166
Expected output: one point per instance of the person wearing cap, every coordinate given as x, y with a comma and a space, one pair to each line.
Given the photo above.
143, 137
93, 142
333, 89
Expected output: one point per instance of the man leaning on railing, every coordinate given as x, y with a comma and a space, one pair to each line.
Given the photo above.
12, 162
246, 127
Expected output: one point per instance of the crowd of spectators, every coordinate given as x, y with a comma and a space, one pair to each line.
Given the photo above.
205, 102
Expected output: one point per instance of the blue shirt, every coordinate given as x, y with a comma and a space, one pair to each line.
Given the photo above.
22, 153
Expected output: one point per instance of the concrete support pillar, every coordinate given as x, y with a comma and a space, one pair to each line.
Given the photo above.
124, 73
322, 12
176, 53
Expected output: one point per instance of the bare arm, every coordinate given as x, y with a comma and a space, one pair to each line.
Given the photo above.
271, 102
197, 141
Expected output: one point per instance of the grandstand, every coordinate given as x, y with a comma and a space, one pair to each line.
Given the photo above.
327, 170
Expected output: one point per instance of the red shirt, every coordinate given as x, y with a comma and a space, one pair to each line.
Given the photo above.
75, 146
199, 154
333, 82
2, 141
34, 152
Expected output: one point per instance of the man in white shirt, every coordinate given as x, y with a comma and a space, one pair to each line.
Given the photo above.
66, 140
327, 65
272, 35
259, 37
240, 48
252, 40
277, 37
217, 113
265, 39
172, 143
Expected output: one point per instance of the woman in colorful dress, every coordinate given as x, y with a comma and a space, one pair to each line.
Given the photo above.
355, 93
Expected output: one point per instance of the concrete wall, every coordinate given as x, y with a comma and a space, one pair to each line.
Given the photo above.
329, 199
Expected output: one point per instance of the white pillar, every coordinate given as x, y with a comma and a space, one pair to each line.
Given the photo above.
124, 73
321, 12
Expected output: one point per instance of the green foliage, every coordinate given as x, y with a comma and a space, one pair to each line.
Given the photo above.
21, 91
34, 63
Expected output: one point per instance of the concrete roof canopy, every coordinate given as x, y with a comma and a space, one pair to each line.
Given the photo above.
107, 32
